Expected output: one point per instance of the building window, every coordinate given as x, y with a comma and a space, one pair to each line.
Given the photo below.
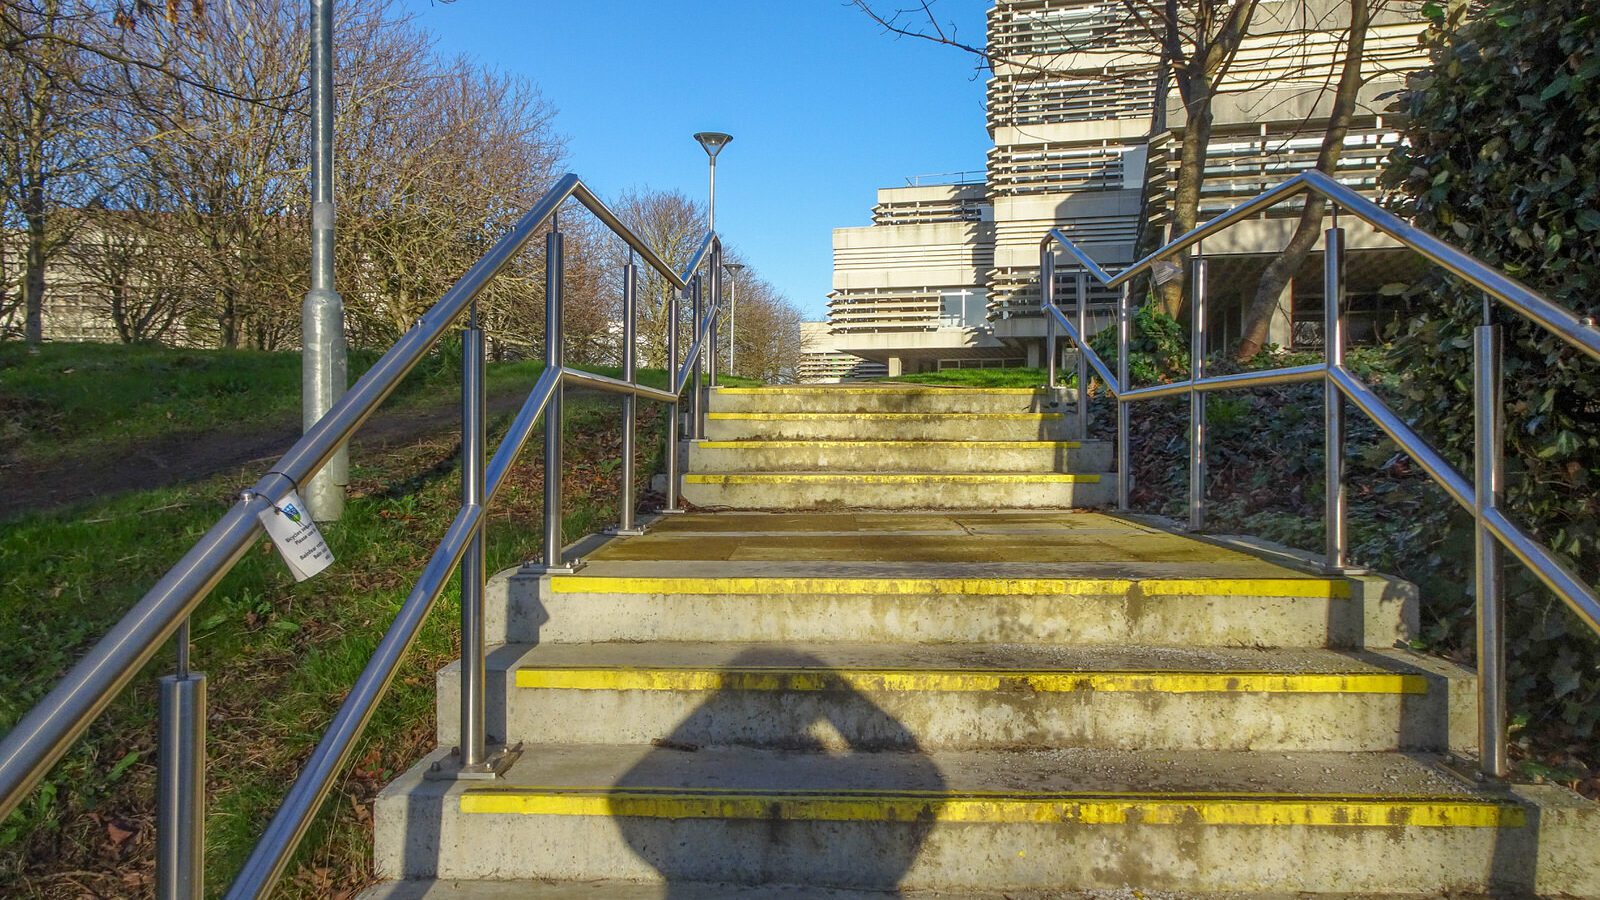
962, 308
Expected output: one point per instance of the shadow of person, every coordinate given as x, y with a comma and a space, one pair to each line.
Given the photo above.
776, 785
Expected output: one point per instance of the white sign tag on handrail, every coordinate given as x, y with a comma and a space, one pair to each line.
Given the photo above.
296, 536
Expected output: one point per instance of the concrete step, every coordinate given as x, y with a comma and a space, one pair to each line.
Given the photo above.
891, 426
902, 398
936, 577
899, 456
989, 820
542, 889
957, 696
897, 490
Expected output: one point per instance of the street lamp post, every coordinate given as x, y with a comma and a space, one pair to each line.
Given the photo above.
733, 309
322, 345
713, 142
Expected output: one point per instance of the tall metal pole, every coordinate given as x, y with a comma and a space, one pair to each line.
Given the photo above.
1124, 450
474, 563
733, 270
1336, 550
1489, 481
323, 369
553, 413
1197, 400
711, 212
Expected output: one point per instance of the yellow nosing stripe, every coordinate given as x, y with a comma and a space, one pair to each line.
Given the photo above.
824, 417
977, 445
1080, 809
1318, 588
888, 478
963, 680
883, 389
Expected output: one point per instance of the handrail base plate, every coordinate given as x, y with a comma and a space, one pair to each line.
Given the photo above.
496, 765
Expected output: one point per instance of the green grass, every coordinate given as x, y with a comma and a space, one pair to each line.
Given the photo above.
279, 656
997, 378
62, 398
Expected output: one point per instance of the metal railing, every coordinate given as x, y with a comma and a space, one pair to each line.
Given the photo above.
46, 732
1481, 494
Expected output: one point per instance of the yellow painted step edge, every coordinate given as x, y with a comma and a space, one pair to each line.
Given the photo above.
1319, 588
1099, 809
909, 680
884, 389
822, 417
887, 478
982, 445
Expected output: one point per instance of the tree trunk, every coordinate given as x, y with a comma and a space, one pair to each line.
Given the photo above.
33, 267
1191, 177
1258, 318
227, 318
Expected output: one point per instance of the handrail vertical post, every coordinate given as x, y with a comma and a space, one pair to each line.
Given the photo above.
630, 306
1047, 299
181, 781
1336, 547
1197, 399
474, 562
1489, 483
697, 402
674, 409
714, 301
1082, 286
553, 278
1124, 449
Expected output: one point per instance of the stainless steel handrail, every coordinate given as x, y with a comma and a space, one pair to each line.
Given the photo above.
47, 730
1479, 494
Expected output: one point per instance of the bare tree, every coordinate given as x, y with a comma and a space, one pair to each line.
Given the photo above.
1258, 317
673, 226
1194, 43
51, 142
138, 271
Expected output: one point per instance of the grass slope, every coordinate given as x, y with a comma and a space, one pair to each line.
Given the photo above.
279, 656
1007, 378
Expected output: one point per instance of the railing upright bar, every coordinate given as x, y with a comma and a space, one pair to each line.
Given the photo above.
674, 409
474, 562
181, 781
1047, 299
697, 400
1489, 485
1197, 399
714, 301
1082, 285
1124, 449
553, 359
630, 305
1336, 544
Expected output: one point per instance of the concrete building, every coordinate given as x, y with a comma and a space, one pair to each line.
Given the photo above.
1087, 139
821, 364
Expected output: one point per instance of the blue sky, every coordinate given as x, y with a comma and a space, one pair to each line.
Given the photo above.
823, 105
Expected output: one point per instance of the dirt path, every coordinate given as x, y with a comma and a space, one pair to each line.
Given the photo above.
184, 458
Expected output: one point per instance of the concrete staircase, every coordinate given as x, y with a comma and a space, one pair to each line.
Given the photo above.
948, 703
894, 446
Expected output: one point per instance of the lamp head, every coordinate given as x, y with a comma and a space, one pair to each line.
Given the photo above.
713, 141
733, 267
